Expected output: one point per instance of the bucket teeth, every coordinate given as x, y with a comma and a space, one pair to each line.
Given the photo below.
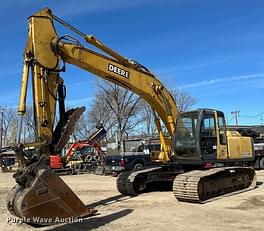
46, 200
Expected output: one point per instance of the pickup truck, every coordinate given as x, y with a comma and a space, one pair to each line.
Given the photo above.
7, 161
259, 155
127, 161
258, 146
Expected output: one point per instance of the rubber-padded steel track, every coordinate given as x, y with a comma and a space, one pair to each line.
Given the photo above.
201, 186
134, 183
124, 185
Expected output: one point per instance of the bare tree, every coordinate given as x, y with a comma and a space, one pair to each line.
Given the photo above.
9, 126
29, 125
147, 119
183, 100
101, 113
82, 128
118, 108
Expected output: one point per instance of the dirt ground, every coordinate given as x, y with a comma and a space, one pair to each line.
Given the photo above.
150, 211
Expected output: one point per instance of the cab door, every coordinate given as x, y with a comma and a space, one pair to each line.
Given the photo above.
208, 136
222, 150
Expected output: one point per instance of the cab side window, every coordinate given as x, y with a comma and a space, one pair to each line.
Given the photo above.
208, 135
208, 126
222, 129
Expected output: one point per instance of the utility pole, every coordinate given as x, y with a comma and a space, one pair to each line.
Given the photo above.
261, 119
236, 114
1, 129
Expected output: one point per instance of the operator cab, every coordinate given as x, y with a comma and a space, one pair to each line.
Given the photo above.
199, 136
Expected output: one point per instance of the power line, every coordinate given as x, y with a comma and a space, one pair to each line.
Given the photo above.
252, 116
229, 121
236, 115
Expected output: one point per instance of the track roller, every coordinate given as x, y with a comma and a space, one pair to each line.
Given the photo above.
201, 186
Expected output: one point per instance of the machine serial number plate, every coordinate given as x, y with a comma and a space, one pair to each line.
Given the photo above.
246, 154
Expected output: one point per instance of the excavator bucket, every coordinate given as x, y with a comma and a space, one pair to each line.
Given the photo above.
46, 200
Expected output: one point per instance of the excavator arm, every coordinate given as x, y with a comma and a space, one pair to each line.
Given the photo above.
50, 51
140, 82
38, 189
40, 195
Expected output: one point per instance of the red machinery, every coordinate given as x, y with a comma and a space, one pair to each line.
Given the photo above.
82, 155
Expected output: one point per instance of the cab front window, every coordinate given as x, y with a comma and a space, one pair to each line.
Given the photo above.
185, 139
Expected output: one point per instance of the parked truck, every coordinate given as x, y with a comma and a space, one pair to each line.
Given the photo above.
258, 142
136, 154
196, 139
7, 159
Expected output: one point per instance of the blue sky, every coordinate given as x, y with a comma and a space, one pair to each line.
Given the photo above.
212, 49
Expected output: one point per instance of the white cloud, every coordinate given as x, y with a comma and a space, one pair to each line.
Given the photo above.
226, 80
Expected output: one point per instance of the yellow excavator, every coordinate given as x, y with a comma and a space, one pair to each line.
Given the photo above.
199, 157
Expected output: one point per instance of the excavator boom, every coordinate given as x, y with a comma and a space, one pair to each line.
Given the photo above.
41, 193
38, 189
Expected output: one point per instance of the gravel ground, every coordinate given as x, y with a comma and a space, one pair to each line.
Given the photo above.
149, 211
